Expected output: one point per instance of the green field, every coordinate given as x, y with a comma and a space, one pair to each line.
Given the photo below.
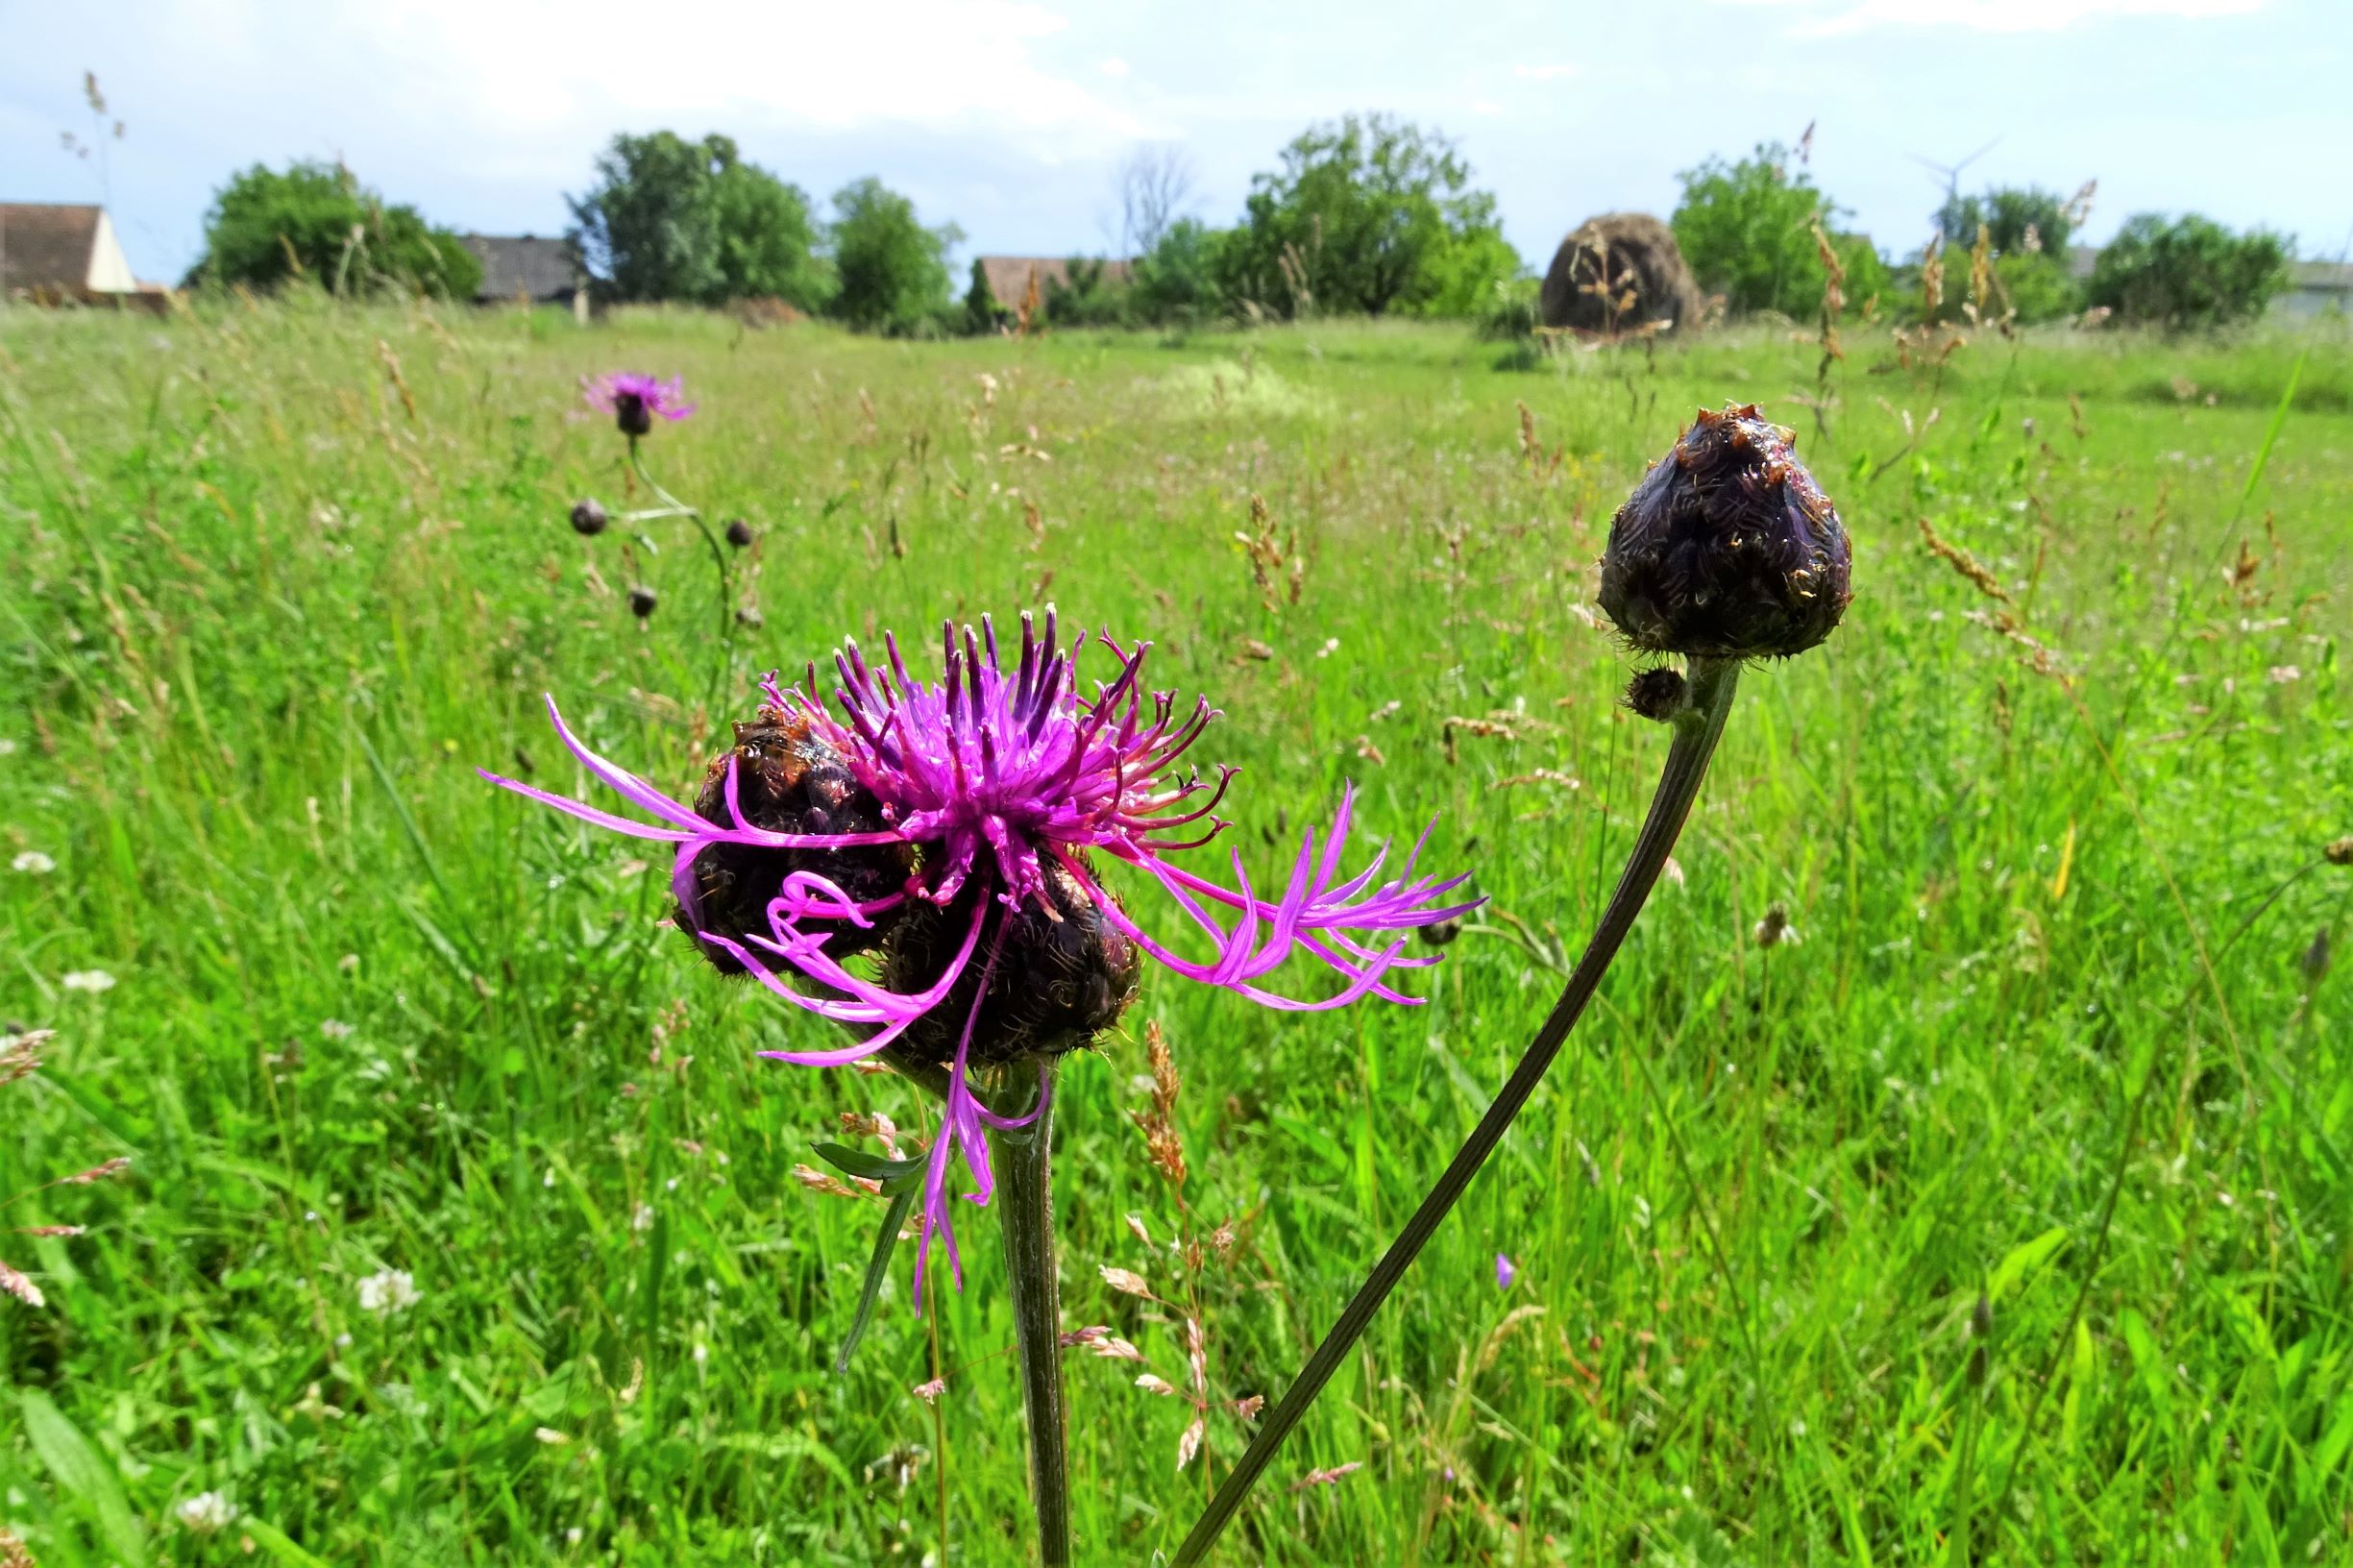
279, 579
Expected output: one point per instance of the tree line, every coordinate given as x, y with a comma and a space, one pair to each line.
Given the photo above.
1368, 215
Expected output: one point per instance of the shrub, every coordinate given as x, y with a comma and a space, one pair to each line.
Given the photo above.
316, 221
1746, 230
1089, 299
1176, 280
1511, 311
2188, 273
2019, 219
1369, 214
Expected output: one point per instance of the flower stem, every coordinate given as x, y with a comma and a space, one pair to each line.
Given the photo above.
1697, 729
1025, 1199
719, 562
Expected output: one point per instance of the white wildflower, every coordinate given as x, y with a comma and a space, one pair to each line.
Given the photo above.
92, 981
206, 1512
391, 1290
335, 1029
32, 862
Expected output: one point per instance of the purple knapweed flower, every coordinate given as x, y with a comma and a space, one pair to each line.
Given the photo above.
952, 829
634, 400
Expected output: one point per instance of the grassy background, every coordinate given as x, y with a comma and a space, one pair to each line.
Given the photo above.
280, 580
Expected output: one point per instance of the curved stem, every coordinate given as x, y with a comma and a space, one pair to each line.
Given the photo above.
719, 563
1697, 729
1025, 1196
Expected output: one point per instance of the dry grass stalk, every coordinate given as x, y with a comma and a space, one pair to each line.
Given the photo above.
1963, 562
1276, 564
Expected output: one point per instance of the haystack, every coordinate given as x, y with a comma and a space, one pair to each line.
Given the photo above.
1606, 259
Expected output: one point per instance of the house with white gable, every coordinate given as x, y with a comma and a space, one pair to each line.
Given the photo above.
56, 253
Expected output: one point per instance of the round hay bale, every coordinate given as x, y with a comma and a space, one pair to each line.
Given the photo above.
1620, 272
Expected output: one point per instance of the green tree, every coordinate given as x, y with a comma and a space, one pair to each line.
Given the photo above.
1746, 230
1176, 280
768, 241
1371, 215
2188, 273
981, 313
893, 271
2021, 220
692, 221
316, 221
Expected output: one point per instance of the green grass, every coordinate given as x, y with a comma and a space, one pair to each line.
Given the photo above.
262, 622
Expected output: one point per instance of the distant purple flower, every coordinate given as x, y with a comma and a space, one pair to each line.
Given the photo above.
923, 810
1506, 1272
634, 400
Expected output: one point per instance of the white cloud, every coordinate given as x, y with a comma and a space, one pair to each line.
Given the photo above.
1114, 67
1485, 106
1833, 16
921, 61
1543, 73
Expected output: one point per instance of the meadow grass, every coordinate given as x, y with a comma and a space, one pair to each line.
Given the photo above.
279, 579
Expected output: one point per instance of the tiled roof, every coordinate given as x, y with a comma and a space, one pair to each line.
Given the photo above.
46, 247
1009, 276
523, 264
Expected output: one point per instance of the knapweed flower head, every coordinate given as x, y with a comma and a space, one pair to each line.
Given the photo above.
957, 830
635, 399
1728, 549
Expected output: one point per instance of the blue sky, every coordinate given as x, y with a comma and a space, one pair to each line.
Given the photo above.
1009, 116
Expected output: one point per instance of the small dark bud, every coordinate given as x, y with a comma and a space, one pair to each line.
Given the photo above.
631, 415
1981, 1332
1442, 933
1658, 694
588, 519
786, 781
1060, 980
642, 601
2315, 960
2340, 852
749, 618
739, 533
1728, 549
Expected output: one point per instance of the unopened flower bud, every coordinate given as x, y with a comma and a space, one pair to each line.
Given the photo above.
631, 413
2340, 851
788, 780
642, 601
1980, 1332
1728, 549
2315, 960
739, 533
588, 519
749, 618
1658, 694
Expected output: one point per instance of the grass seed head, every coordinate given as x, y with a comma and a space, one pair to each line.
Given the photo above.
1728, 549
